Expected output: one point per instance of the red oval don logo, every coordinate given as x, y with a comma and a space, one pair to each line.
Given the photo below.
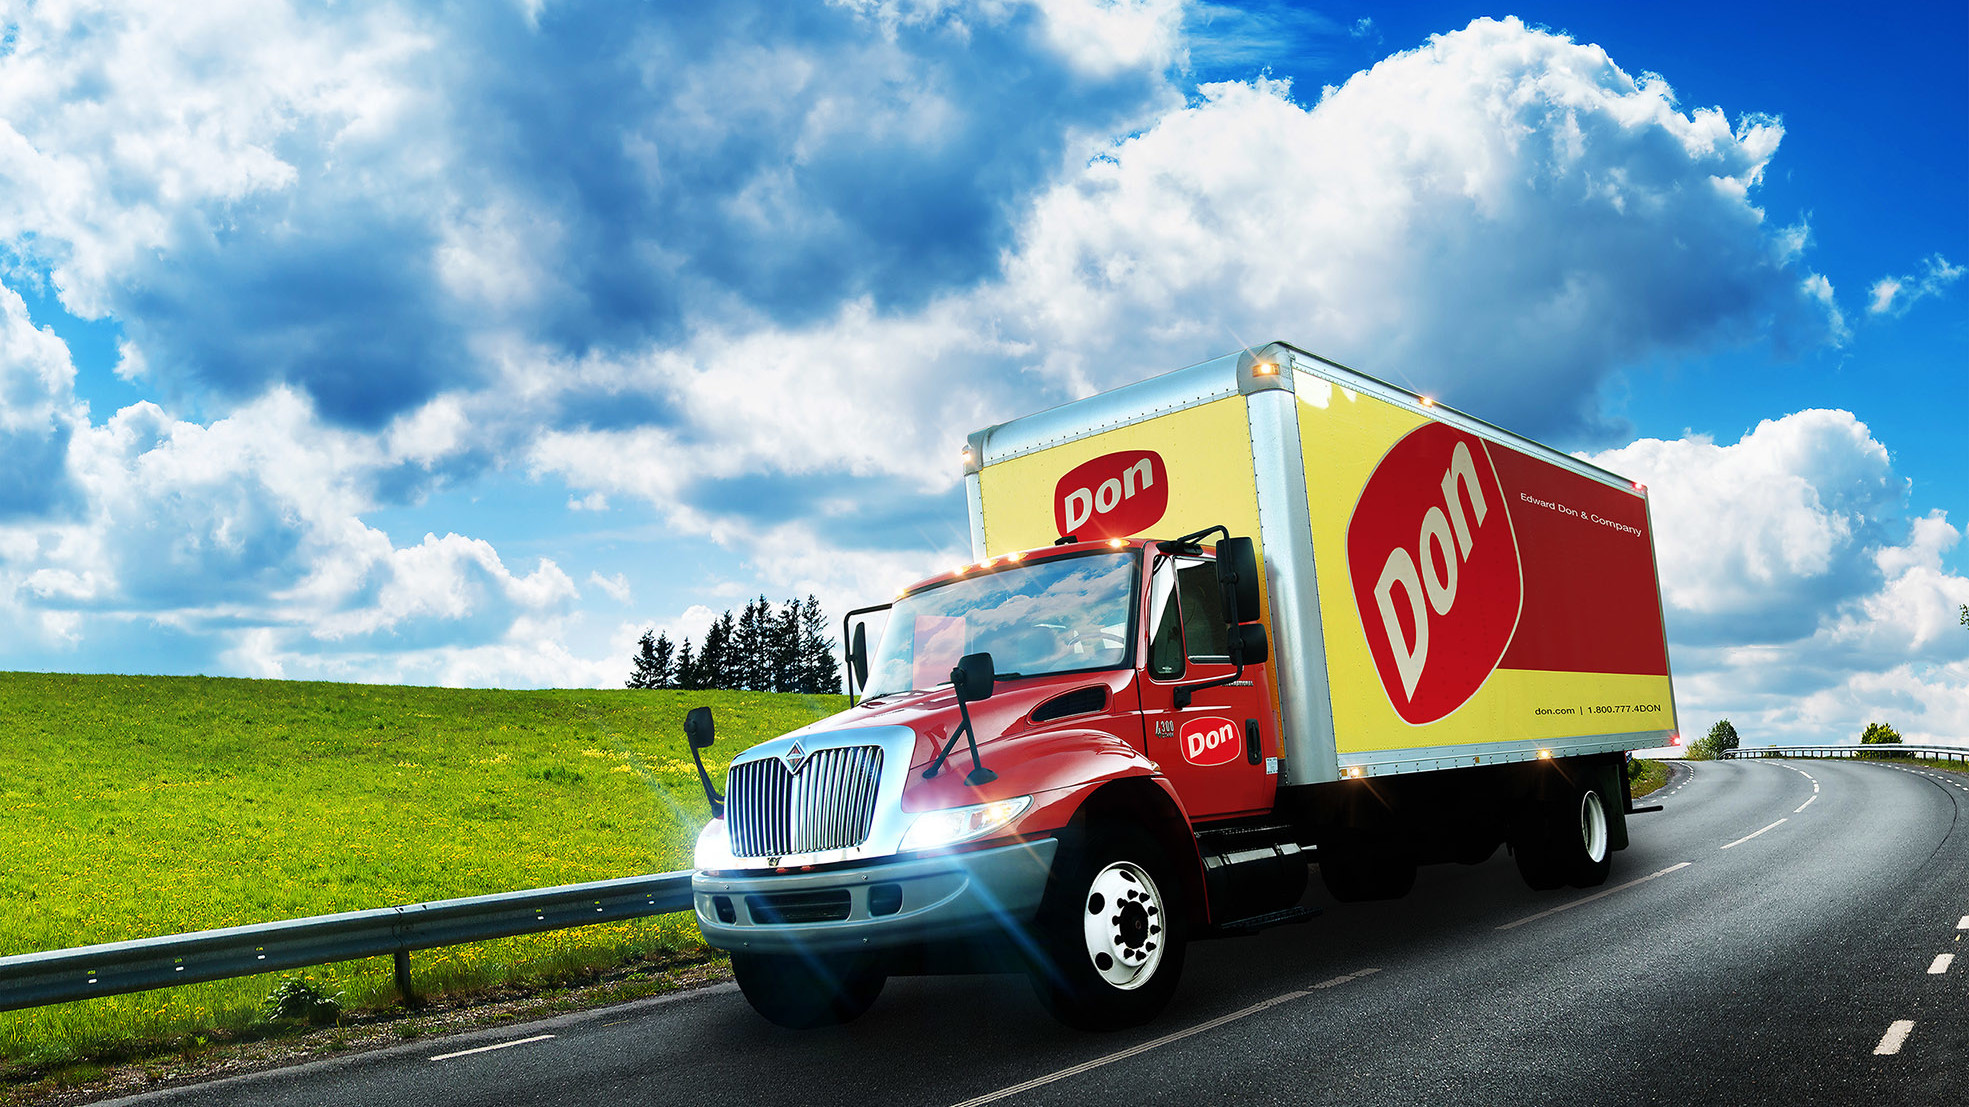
1208, 741
1112, 496
1434, 564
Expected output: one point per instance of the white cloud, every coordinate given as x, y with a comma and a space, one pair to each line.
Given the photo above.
1799, 603
1893, 296
616, 585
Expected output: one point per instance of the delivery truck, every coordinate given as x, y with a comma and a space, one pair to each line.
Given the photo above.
1219, 628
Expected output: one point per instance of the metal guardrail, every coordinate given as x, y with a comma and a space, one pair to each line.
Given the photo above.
1866, 753
61, 975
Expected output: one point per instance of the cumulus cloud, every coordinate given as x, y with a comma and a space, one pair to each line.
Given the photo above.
1800, 602
246, 534
1502, 217
361, 203
757, 270
1893, 296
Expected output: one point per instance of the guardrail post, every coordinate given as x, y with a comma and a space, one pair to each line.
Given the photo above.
402, 959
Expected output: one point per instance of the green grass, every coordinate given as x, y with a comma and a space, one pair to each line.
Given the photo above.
136, 806
1645, 776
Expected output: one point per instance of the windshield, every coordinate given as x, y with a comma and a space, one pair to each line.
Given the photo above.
1064, 615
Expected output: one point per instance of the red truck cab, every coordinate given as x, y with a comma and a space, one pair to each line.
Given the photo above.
1116, 728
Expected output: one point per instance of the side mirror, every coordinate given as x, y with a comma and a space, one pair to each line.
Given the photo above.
699, 729
699, 733
975, 677
1237, 572
858, 656
1248, 645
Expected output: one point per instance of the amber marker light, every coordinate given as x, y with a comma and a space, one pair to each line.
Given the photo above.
1428, 401
1264, 369
1545, 755
1117, 543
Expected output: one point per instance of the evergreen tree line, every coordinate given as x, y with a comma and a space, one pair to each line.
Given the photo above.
759, 650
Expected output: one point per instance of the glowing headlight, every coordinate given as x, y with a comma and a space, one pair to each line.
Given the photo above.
961, 824
714, 849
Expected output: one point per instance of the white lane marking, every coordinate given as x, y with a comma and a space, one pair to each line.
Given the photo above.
1896, 1036
490, 1048
1596, 895
1940, 964
1964, 924
1807, 803
1755, 833
1123, 1055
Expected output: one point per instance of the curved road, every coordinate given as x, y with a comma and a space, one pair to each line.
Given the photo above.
1779, 934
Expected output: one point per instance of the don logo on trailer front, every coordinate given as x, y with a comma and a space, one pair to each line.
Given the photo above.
1435, 571
1112, 496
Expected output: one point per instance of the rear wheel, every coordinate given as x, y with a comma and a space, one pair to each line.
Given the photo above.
804, 992
1111, 933
1569, 841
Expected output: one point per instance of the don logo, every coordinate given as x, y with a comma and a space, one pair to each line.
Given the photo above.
1112, 496
1434, 565
1208, 741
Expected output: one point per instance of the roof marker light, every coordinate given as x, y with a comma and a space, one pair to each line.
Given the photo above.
1117, 543
1545, 755
1428, 401
1264, 369
1015, 556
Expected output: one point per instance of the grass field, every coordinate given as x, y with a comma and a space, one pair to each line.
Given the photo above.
135, 806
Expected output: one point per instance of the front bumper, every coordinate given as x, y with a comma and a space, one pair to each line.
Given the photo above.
876, 906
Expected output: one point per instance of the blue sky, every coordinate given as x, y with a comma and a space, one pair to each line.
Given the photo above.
400, 342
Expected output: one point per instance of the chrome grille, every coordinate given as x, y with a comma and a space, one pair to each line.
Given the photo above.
828, 804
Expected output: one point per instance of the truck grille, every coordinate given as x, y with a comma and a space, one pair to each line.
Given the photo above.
828, 804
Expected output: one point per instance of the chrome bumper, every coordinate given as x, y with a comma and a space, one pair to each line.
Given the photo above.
877, 906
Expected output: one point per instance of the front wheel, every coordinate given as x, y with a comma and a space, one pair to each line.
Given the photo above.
804, 992
1111, 933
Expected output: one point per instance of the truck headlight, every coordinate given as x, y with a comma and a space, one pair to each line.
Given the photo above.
934, 829
714, 848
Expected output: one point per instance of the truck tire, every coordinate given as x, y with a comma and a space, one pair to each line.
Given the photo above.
1111, 932
1568, 842
806, 992
1363, 875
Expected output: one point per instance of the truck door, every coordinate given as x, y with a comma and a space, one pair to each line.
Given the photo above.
1220, 751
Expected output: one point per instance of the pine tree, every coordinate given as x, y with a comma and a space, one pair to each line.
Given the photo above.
750, 644
819, 672
666, 674
717, 661
687, 667
652, 663
783, 649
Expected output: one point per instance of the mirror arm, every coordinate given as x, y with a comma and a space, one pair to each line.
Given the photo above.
846, 654
1186, 692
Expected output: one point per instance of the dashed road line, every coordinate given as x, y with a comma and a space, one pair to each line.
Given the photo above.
1964, 924
1896, 1036
1940, 964
1596, 895
1131, 1051
1755, 833
1807, 803
490, 1048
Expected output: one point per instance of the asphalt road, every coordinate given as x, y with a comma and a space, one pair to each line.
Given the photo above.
1779, 934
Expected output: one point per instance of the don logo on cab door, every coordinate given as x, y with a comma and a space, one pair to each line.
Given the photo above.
1112, 496
1208, 741
1434, 565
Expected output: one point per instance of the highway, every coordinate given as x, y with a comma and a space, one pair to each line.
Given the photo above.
1783, 932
